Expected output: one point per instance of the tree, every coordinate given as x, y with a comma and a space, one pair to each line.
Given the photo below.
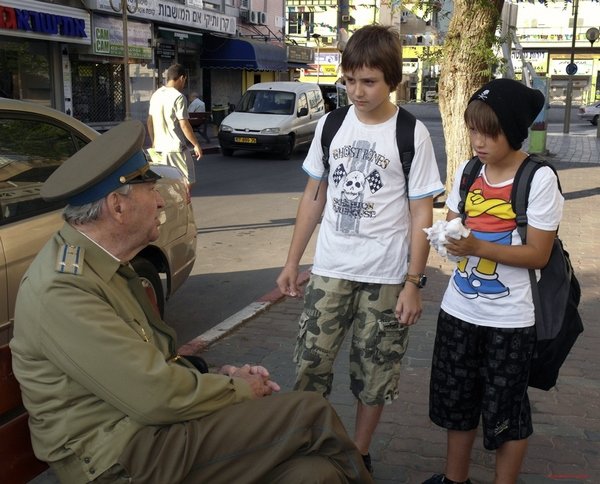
465, 66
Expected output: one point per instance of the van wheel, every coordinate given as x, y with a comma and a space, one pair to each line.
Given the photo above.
227, 151
595, 120
289, 148
151, 282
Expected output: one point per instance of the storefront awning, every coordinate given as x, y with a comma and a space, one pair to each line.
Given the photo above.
225, 53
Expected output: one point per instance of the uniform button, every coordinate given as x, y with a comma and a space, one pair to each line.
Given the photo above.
92, 471
87, 460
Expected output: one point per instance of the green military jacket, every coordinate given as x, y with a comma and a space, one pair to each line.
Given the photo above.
92, 369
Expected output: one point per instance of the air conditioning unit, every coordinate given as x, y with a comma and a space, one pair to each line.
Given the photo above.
244, 4
258, 17
245, 15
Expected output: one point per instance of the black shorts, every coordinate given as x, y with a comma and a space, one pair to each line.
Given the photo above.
479, 371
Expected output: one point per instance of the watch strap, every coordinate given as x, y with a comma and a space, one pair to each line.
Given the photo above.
417, 279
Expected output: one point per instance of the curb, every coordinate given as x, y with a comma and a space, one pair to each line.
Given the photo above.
201, 342
210, 149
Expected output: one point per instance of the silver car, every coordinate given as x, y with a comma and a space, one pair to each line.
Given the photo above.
590, 113
34, 141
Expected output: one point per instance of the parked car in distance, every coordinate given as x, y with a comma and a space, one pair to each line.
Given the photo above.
273, 117
34, 141
335, 95
590, 113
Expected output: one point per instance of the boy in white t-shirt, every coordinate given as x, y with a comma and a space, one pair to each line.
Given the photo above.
485, 331
371, 240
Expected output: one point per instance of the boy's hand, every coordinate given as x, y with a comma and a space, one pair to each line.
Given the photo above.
409, 306
287, 282
462, 247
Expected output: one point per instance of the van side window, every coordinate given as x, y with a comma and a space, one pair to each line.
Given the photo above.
315, 101
30, 151
302, 102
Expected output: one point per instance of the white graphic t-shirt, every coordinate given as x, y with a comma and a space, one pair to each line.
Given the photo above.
364, 235
485, 292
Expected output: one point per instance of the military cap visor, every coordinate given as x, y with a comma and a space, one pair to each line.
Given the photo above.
112, 160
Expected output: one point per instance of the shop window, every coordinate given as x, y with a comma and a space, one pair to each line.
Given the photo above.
25, 71
29, 153
98, 92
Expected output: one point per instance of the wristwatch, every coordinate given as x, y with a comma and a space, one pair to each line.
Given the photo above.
418, 280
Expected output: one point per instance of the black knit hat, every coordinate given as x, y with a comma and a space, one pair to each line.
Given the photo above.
515, 105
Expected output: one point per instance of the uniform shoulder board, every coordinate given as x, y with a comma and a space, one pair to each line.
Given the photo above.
70, 259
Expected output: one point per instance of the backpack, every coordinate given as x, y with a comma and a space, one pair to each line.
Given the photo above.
555, 296
405, 136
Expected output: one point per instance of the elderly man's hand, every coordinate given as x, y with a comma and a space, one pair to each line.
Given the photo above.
257, 376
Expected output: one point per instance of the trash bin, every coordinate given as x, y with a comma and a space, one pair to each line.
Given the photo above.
219, 111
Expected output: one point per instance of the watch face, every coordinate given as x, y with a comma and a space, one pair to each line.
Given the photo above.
422, 281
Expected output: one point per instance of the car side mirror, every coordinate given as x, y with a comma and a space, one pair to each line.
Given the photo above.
302, 112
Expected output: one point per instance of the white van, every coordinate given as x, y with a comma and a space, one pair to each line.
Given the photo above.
273, 117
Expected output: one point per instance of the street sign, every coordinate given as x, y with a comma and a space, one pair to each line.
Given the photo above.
592, 35
571, 69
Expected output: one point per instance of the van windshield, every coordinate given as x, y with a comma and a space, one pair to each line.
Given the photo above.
267, 102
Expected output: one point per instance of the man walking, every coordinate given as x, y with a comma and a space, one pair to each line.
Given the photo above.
169, 126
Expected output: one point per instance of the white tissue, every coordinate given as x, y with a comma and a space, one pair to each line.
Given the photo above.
439, 232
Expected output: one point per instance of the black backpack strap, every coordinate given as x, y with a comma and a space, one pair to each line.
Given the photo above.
469, 174
519, 199
332, 124
405, 139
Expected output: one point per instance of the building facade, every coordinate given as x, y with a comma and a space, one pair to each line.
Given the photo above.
546, 35
71, 56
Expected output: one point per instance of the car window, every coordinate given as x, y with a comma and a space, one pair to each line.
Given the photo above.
302, 102
342, 96
266, 102
30, 151
315, 101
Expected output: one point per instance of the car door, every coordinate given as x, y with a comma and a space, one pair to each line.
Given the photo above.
31, 148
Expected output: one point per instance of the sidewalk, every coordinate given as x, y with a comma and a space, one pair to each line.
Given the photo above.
407, 447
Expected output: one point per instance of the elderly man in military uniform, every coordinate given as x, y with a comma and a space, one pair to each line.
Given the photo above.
109, 399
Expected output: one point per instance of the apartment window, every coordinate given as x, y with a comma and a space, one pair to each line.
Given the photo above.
301, 23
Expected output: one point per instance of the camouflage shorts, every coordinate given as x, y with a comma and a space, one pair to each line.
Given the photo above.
331, 308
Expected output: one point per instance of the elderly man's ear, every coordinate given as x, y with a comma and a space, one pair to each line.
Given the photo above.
115, 205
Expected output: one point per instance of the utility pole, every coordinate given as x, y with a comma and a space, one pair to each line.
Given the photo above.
592, 35
571, 70
124, 8
317, 38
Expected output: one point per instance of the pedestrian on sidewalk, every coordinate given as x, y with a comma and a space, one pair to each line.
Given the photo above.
485, 330
108, 397
169, 126
371, 251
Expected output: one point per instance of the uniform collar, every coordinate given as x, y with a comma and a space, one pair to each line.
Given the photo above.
100, 261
